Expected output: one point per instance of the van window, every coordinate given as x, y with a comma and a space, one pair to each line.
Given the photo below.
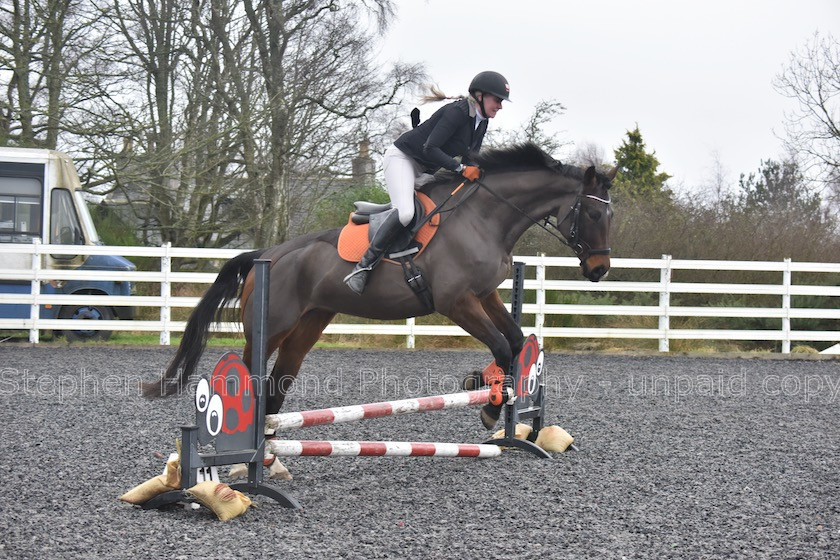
87, 220
65, 228
20, 209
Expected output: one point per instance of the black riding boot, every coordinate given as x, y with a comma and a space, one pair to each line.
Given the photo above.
390, 228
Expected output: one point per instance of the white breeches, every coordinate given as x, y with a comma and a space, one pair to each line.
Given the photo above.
401, 175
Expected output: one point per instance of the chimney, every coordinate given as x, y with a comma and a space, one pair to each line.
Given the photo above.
363, 165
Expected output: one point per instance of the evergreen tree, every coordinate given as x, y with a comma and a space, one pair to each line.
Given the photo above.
638, 175
779, 189
333, 210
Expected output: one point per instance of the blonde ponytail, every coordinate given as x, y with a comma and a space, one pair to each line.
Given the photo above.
436, 94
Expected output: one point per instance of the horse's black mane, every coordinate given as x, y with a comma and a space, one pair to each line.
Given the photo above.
519, 156
528, 156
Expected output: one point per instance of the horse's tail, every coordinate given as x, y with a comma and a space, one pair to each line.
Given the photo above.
209, 308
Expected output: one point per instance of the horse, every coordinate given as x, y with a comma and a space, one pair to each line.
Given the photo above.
466, 261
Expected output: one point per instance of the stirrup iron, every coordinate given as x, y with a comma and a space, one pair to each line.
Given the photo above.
355, 271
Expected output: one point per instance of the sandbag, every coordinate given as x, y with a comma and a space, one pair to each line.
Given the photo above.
550, 438
554, 438
220, 498
522, 432
169, 480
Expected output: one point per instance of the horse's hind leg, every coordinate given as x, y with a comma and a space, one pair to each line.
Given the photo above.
294, 345
293, 349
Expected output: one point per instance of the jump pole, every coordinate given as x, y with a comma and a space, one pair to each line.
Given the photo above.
354, 413
307, 448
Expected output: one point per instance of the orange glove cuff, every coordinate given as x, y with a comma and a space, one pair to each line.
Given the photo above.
471, 172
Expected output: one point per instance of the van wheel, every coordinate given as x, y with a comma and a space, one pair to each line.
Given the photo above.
87, 313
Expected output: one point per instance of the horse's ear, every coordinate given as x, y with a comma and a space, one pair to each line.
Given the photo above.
612, 173
589, 176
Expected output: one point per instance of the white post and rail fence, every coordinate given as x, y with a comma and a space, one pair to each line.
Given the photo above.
660, 315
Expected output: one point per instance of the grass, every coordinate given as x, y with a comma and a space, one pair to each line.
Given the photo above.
129, 338
397, 342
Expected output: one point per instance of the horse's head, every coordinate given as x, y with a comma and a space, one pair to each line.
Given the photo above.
587, 225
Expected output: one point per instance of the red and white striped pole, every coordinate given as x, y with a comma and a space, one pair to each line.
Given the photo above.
291, 448
288, 420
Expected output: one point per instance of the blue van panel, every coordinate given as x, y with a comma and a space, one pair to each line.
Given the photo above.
22, 310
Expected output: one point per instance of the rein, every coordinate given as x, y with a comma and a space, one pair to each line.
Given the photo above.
573, 242
439, 208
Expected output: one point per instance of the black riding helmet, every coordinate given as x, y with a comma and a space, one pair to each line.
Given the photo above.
492, 83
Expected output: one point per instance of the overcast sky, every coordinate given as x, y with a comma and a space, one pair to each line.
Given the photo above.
696, 76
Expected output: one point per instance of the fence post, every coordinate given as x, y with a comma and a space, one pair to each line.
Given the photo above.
165, 293
665, 303
786, 308
35, 309
409, 340
539, 320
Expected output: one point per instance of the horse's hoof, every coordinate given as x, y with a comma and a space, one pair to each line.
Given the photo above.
278, 471
472, 381
239, 470
490, 415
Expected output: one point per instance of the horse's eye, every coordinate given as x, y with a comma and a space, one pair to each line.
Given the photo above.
594, 215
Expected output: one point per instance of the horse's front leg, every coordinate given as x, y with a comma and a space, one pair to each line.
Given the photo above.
504, 321
495, 309
469, 313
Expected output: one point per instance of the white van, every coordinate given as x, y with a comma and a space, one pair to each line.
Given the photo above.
41, 198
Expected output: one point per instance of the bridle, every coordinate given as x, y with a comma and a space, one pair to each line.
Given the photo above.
573, 240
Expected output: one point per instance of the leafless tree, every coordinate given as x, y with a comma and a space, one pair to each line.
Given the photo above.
47, 68
812, 129
533, 130
212, 120
588, 154
317, 73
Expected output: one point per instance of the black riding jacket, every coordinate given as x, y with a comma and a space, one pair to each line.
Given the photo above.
448, 133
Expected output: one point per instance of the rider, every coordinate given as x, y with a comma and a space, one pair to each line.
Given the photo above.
455, 129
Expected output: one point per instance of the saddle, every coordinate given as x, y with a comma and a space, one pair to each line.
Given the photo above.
363, 223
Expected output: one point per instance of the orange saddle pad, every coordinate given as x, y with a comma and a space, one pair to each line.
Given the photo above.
354, 239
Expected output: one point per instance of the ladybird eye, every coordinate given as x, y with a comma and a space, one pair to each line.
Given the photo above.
214, 415
540, 362
202, 395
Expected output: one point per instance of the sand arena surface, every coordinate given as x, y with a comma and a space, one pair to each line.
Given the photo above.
680, 457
